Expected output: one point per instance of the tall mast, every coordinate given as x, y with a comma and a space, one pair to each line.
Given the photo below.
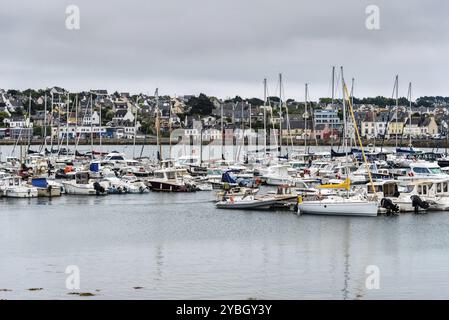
280, 113
44, 134
100, 128
265, 114
59, 122
352, 104
222, 133
29, 122
169, 125
135, 128
345, 143
345, 133
51, 123
332, 105
410, 111
76, 124
305, 117
250, 127
91, 126
159, 148
67, 123
396, 84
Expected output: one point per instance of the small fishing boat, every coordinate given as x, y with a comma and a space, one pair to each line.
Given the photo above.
46, 188
14, 187
169, 180
81, 185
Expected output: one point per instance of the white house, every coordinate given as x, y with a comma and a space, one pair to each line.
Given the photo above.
20, 122
91, 120
80, 130
123, 115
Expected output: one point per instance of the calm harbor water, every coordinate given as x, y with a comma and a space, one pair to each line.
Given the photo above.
178, 246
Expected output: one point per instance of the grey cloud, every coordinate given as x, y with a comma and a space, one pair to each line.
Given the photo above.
224, 48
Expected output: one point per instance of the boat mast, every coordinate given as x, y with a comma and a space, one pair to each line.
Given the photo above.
332, 106
265, 114
44, 134
410, 112
159, 147
59, 122
222, 131
374, 130
135, 129
396, 84
357, 136
352, 138
67, 123
305, 117
76, 125
29, 124
91, 127
169, 125
345, 142
100, 129
280, 113
51, 124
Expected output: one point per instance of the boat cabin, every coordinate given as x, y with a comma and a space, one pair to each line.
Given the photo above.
389, 189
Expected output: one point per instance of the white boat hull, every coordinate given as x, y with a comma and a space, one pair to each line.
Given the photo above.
20, 192
340, 208
79, 189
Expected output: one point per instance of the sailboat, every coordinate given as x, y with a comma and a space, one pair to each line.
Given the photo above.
342, 205
339, 205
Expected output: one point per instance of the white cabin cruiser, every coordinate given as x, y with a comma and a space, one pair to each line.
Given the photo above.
15, 187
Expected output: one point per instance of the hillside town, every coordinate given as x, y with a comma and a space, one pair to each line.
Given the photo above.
59, 114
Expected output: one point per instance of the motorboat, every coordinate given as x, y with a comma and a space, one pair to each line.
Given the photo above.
46, 188
81, 184
169, 180
14, 187
246, 202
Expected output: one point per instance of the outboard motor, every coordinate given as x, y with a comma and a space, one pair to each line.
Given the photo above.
417, 203
99, 188
389, 205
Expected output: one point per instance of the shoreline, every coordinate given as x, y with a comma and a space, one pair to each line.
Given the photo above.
441, 144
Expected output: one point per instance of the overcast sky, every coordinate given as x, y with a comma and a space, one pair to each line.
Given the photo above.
225, 47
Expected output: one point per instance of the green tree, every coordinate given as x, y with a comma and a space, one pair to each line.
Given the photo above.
3, 115
200, 105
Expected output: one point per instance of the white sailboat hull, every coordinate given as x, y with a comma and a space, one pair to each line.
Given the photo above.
341, 208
